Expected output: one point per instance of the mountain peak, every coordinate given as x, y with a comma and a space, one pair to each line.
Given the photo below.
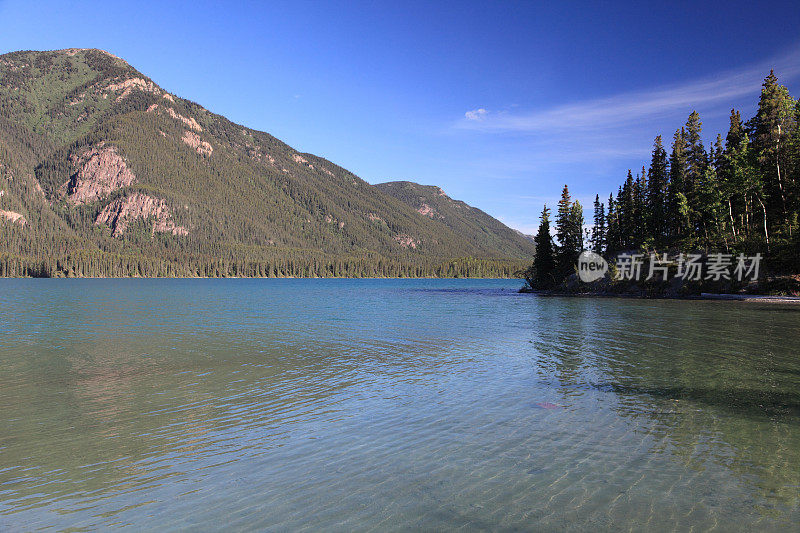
73, 51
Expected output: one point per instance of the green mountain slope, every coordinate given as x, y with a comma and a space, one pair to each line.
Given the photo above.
103, 172
483, 230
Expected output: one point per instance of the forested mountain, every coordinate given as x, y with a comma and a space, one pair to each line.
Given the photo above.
104, 173
739, 195
432, 202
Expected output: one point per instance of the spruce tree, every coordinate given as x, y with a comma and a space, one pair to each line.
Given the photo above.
729, 178
657, 194
735, 130
612, 227
569, 231
626, 212
774, 125
576, 230
676, 197
696, 163
542, 273
599, 228
639, 208
563, 230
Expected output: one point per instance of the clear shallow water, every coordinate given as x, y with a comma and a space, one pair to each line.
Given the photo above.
392, 404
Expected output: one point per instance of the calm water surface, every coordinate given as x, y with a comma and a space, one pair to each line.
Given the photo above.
391, 404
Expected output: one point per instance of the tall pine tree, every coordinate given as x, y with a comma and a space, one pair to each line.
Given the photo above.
599, 228
542, 273
677, 203
563, 230
657, 194
696, 163
774, 126
569, 231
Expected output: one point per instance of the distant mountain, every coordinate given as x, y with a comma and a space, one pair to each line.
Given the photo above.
103, 172
483, 230
525, 235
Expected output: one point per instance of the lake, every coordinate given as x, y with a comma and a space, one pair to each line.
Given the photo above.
392, 404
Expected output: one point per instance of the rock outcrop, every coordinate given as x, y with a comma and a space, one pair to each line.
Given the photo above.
13, 217
426, 210
330, 220
406, 241
188, 121
297, 158
194, 141
127, 86
122, 212
101, 171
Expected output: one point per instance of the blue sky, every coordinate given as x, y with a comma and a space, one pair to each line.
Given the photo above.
498, 103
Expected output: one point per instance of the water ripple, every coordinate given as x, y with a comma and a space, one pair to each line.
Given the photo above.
391, 404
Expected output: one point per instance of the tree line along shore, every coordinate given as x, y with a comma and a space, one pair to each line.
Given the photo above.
740, 195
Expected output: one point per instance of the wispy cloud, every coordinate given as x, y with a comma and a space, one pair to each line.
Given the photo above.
475, 114
626, 108
590, 144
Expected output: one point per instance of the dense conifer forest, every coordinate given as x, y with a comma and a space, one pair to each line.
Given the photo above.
104, 173
740, 195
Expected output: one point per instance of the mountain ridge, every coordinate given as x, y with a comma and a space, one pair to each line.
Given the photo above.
105, 167
431, 201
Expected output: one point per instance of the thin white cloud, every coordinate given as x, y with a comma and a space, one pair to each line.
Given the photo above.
476, 114
626, 108
590, 144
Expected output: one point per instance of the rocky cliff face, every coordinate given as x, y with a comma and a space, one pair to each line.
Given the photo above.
121, 213
101, 171
13, 217
194, 141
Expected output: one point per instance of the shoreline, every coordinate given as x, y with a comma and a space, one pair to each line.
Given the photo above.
759, 298
261, 277
765, 298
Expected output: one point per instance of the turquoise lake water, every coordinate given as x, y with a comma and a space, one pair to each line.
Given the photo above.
392, 404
